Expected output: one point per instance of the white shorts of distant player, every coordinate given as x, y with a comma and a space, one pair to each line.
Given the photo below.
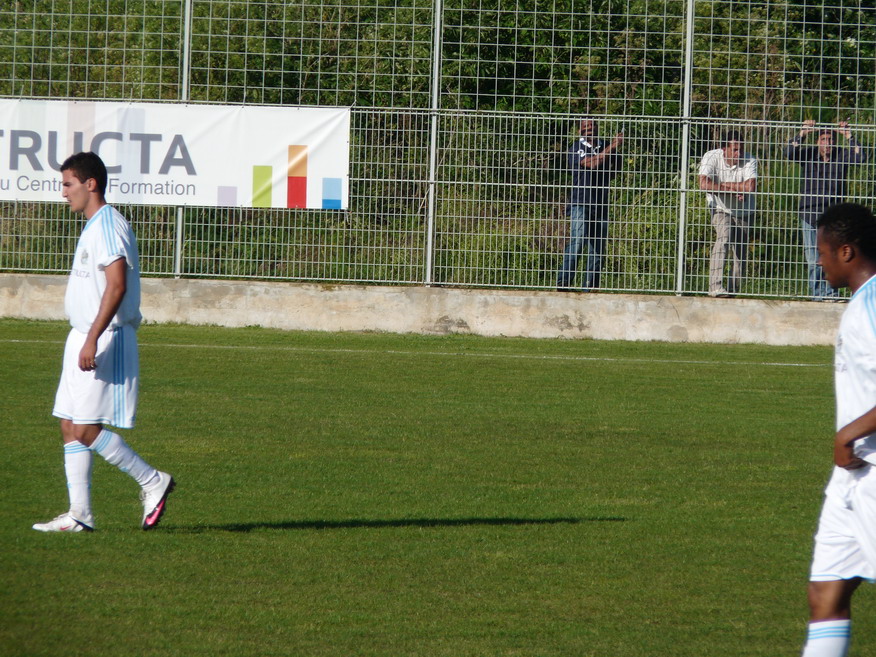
845, 543
108, 394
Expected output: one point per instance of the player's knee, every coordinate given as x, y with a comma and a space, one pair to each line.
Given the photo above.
83, 433
68, 432
814, 595
829, 600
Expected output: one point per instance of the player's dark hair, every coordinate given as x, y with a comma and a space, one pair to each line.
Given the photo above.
850, 223
825, 132
87, 165
731, 135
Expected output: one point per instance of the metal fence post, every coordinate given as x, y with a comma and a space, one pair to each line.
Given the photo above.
437, 45
685, 149
184, 96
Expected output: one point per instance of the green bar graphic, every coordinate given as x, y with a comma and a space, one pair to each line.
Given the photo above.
261, 186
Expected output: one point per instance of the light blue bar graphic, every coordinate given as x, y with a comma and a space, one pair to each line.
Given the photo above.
331, 193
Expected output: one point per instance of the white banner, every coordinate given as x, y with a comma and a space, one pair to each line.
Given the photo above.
177, 154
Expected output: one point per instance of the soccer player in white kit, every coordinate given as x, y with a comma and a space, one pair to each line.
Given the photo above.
845, 543
100, 372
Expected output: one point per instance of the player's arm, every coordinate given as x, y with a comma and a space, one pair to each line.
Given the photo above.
843, 453
116, 285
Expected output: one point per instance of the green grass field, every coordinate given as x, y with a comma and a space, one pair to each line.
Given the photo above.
370, 494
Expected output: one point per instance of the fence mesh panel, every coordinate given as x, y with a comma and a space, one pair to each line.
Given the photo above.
462, 116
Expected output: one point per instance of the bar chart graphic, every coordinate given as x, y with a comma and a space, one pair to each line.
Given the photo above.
296, 183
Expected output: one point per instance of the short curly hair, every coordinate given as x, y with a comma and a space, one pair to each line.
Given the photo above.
850, 223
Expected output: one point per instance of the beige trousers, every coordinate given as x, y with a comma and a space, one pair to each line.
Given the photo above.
731, 235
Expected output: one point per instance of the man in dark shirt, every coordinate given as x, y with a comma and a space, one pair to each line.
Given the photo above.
593, 164
825, 169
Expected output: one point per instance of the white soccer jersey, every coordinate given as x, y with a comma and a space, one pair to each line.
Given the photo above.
106, 237
714, 166
855, 364
845, 543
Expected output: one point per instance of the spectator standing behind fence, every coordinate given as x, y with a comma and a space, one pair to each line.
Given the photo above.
594, 164
825, 169
728, 175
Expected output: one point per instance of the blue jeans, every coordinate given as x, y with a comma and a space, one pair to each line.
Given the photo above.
589, 229
818, 285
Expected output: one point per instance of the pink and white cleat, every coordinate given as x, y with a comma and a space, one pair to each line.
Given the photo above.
154, 500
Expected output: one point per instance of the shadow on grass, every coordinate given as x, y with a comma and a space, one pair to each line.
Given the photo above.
382, 524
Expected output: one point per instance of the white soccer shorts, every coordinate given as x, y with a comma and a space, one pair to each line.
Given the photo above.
845, 543
107, 395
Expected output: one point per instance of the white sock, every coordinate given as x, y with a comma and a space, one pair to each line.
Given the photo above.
77, 466
118, 453
828, 639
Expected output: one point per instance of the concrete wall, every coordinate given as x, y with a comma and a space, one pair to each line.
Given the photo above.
445, 310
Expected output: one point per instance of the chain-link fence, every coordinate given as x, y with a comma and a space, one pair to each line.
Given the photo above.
463, 115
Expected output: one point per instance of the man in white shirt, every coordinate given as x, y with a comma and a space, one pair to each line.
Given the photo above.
845, 543
100, 373
728, 175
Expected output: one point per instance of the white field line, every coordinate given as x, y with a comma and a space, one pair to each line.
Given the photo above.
447, 354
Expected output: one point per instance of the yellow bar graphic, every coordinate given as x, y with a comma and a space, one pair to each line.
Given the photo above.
261, 187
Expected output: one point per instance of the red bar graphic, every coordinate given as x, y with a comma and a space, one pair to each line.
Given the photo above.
296, 184
296, 192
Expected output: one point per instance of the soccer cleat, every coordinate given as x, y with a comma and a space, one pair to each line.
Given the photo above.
155, 498
66, 523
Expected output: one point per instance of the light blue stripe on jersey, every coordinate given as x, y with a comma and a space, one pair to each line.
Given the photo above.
94, 218
105, 223
868, 284
867, 298
110, 237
